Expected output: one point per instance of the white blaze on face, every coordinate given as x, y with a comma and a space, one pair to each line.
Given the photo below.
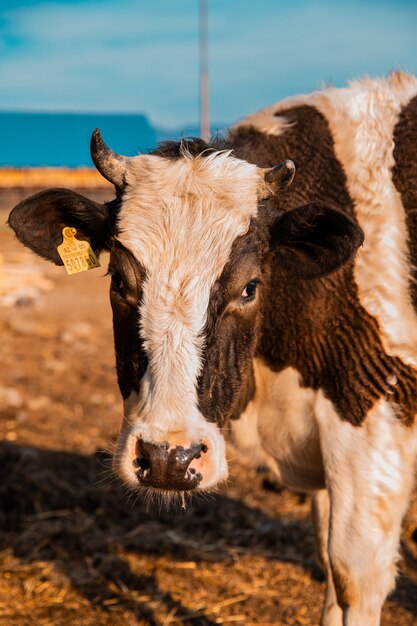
179, 218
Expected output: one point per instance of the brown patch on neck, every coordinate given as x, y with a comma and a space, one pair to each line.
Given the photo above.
319, 326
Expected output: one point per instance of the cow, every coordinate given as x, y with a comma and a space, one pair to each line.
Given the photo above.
282, 315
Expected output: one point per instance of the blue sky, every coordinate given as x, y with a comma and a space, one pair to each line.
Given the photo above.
141, 55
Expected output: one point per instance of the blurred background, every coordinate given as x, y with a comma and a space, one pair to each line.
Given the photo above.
74, 549
132, 66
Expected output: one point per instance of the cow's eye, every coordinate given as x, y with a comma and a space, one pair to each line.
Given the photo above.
117, 283
249, 291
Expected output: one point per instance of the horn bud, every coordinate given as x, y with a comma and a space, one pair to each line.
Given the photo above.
111, 165
278, 177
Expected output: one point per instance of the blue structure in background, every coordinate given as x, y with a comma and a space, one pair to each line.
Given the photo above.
63, 139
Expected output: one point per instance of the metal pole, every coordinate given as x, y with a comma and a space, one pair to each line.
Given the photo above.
204, 104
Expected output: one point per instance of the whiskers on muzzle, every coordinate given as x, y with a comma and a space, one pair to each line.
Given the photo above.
162, 499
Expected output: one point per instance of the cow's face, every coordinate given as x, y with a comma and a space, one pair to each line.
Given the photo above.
190, 243
186, 267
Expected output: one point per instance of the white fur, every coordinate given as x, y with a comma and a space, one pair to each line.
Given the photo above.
287, 431
369, 477
180, 218
332, 614
266, 122
245, 437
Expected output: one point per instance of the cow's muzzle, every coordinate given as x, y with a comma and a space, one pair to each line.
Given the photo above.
160, 466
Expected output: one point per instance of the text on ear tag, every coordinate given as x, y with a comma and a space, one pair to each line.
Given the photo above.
76, 255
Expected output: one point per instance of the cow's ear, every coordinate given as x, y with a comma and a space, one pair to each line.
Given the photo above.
313, 240
38, 221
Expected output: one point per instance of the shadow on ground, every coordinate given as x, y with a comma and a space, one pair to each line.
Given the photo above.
59, 506
64, 508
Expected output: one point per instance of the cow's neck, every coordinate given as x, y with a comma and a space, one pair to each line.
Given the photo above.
319, 326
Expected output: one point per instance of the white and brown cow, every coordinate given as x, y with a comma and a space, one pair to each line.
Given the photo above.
239, 307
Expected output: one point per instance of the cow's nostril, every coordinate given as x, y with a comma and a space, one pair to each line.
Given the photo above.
201, 447
141, 461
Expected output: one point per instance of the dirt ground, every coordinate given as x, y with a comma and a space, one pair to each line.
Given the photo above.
75, 548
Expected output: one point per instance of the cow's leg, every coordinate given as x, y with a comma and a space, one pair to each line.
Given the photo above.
320, 509
369, 471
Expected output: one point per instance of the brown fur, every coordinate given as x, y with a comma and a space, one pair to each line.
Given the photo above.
131, 359
226, 383
404, 176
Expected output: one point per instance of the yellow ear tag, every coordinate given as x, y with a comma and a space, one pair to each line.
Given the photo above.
76, 255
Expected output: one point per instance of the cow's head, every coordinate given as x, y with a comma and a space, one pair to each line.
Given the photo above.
190, 240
